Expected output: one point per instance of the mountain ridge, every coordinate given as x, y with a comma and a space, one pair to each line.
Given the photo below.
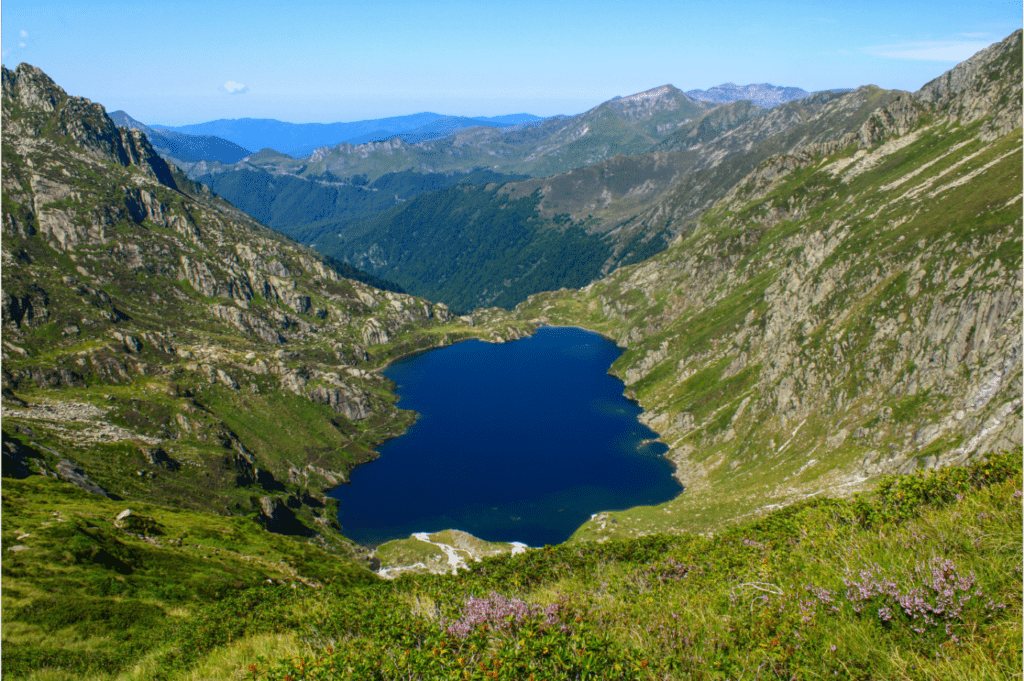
764, 95
616, 211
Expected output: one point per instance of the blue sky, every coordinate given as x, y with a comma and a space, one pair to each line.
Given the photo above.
186, 62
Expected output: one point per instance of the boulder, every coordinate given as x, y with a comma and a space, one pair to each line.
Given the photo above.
374, 333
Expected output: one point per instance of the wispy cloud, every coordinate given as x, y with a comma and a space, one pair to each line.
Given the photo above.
24, 38
233, 88
936, 50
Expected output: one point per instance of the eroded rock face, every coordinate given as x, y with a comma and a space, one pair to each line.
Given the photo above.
158, 457
29, 309
984, 85
16, 457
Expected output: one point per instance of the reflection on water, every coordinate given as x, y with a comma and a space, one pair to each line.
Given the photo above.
519, 441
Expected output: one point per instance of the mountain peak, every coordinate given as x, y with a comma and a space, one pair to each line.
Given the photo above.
34, 105
653, 93
657, 101
33, 88
981, 85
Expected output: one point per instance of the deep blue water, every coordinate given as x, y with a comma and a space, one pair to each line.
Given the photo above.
518, 441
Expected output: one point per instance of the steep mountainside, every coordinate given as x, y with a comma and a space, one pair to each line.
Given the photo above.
847, 310
299, 207
160, 345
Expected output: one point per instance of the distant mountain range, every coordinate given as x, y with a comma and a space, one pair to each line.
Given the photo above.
224, 140
448, 126
301, 139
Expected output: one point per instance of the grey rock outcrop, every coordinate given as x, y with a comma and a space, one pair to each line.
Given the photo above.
374, 333
350, 403
69, 471
84, 122
983, 85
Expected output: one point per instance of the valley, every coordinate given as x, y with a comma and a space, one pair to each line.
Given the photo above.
819, 306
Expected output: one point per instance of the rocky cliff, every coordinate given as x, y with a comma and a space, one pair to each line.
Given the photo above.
850, 308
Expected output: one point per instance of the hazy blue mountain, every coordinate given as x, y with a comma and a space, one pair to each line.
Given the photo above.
183, 147
510, 119
301, 139
445, 127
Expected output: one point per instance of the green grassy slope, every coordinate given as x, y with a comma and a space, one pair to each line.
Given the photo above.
920, 580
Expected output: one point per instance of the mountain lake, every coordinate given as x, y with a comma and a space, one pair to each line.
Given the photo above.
518, 441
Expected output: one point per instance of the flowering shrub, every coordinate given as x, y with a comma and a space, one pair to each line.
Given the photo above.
494, 637
929, 602
499, 613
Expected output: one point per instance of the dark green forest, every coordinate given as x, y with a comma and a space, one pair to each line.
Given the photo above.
472, 246
287, 203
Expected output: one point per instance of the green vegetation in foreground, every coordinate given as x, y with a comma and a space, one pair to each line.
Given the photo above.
86, 594
921, 580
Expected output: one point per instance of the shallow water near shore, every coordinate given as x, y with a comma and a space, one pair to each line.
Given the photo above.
519, 441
